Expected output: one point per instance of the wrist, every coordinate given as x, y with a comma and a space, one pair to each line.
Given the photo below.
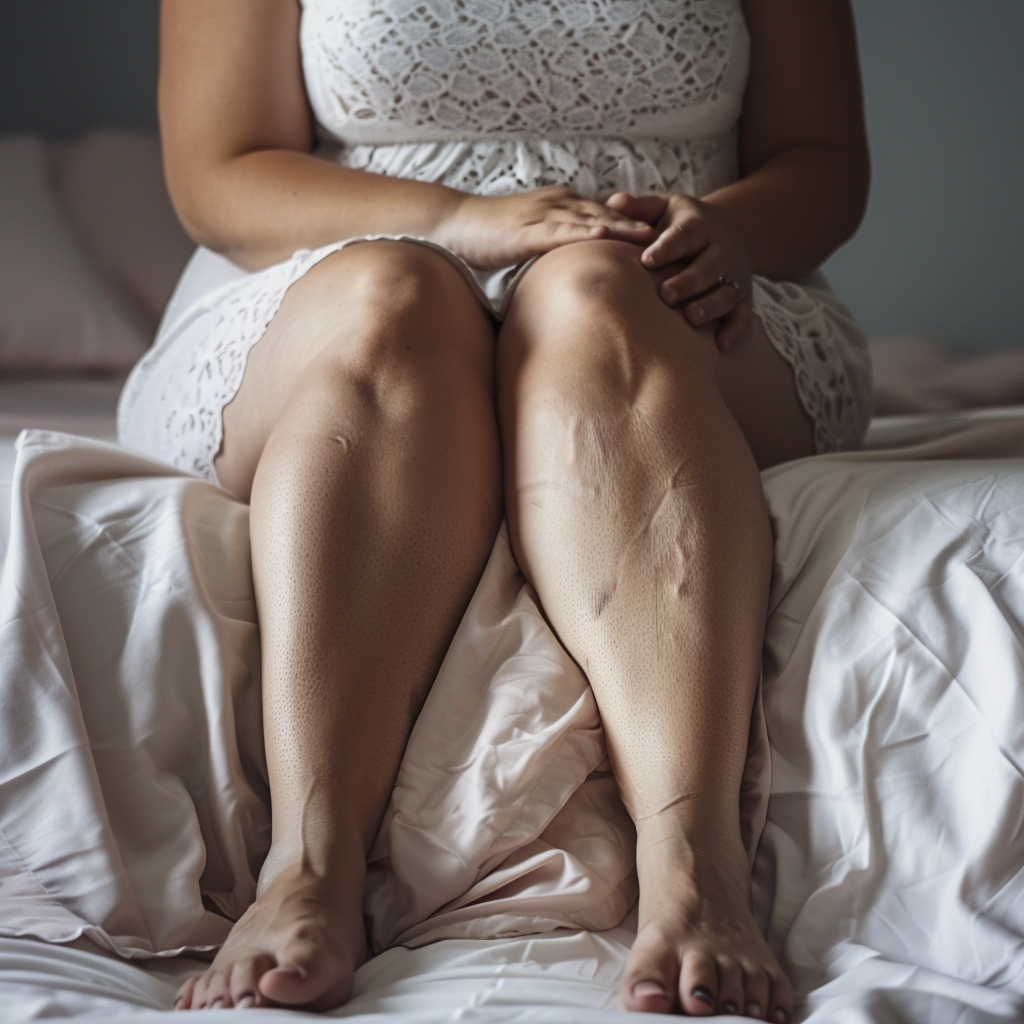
449, 228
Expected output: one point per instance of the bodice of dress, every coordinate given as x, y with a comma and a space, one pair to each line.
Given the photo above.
385, 71
491, 96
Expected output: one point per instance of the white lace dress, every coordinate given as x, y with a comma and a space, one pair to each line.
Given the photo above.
493, 97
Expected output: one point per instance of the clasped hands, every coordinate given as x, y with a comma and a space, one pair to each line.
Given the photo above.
693, 247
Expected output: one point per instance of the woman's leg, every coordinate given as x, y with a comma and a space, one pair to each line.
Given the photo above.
636, 509
365, 431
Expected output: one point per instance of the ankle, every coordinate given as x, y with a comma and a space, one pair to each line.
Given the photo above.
330, 863
690, 826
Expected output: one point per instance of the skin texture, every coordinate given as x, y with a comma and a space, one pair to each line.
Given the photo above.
618, 419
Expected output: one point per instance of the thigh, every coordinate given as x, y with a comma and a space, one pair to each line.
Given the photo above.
759, 387
371, 309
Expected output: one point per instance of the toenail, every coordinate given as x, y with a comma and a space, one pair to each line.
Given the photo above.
245, 1003
753, 1010
649, 988
704, 994
779, 1016
729, 1007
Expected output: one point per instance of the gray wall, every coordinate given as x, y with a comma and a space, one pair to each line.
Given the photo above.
940, 251
69, 65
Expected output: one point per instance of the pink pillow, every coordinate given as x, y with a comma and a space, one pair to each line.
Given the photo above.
56, 313
111, 186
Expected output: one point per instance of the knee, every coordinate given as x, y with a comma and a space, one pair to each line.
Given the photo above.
587, 322
399, 316
586, 279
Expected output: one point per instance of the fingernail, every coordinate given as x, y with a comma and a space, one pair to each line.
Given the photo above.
704, 995
245, 1003
697, 312
294, 969
216, 1004
753, 1010
648, 988
729, 1007
179, 1003
640, 224
780, 1016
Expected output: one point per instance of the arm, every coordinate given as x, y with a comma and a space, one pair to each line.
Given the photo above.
237, 134
804, 161
803, 145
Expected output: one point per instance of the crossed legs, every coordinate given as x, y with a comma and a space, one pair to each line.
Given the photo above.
365, 435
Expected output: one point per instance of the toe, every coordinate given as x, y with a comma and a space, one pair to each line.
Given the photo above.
780, 1002
730, 985
183, 999
245, 978
757, 988
211, 990
308, 974
649, 984
698, 984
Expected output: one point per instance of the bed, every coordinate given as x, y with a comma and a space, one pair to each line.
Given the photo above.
887, 833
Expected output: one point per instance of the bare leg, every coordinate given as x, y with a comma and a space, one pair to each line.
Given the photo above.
636, 510
365, 427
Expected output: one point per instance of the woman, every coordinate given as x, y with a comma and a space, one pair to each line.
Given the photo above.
553, 328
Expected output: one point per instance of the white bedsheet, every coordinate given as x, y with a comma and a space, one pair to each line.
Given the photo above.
889, 874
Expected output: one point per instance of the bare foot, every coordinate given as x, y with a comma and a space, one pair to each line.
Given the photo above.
697, 946
298, 945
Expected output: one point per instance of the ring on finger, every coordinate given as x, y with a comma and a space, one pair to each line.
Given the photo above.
726, 281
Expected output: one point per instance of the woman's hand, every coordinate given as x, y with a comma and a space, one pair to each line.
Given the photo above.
715, 283
500, 231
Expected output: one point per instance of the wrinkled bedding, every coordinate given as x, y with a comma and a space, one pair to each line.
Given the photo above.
888, 874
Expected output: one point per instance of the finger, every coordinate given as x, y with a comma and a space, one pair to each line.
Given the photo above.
703, 273
734, 327
649, 209
713, 305
550, 234
679, 288
619, 224
680, 239
698, 984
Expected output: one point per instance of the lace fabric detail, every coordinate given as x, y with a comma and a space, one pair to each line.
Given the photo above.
404, 70
594, 168
817, 335
173, 403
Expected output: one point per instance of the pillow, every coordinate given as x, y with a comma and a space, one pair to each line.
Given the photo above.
56, 313
110, 185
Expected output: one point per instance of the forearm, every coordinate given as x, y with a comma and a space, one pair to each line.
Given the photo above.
260, 207
797, 208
